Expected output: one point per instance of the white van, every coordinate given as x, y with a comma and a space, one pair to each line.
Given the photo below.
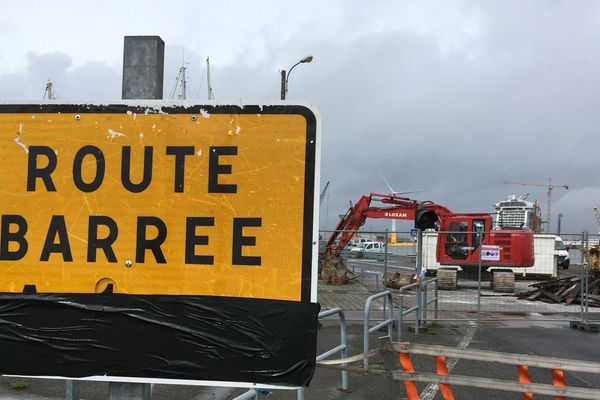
368, 248
562, 253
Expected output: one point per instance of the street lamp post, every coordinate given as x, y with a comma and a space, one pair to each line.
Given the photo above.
285, 78
559, 219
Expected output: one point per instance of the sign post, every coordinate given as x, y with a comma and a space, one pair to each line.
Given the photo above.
157, 240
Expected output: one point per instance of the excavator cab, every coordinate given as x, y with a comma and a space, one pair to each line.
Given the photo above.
459, 244
461, 237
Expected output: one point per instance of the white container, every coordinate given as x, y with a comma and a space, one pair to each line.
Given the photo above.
544, 252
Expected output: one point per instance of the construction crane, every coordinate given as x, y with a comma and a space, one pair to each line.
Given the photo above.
321, 198
597, 214
324, 192
550, 187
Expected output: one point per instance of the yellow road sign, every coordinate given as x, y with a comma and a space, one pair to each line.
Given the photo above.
213, 201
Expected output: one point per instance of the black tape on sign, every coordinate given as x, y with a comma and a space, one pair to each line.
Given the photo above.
174, 337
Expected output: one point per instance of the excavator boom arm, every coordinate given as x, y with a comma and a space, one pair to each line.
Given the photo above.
394, 207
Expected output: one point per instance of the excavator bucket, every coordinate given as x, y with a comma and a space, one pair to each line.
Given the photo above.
333, 271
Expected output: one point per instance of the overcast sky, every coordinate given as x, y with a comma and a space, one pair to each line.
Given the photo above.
450, 97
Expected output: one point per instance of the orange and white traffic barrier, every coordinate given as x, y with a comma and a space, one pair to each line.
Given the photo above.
557, 366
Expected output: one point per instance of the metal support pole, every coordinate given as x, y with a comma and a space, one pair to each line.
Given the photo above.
400, 317
583, 322
587, 276
436, 300
385, 265
385, 260
419, 258
283, 84
418, 311
584, 237
251, 394
424, 304
587, 291
301, 393
71, 389
479, 288
129, 391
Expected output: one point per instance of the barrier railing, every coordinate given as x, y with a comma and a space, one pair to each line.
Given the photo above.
420, 305
426, 302
342, 347
401, 351
251, 394
387, 321
375, 274
521, 361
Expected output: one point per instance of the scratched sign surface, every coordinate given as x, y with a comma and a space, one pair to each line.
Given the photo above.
214, 201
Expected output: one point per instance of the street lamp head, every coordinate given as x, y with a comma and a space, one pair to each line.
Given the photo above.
285, 78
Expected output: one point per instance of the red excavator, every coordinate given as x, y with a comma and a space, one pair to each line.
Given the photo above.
459, 242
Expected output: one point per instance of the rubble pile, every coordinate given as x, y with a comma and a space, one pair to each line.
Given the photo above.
564, 290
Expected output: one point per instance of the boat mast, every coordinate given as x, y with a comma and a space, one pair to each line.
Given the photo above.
48, 93
181, 82
211, 96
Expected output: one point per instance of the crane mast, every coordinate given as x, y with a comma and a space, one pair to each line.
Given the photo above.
324, 192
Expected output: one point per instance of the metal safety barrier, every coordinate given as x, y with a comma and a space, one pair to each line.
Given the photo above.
254, 394
387, 321
420, 306
251, 394
342, 347
521, 361
376, 274
427, 302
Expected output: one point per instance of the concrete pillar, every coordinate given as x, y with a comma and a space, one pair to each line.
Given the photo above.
143, 67
71, 390
129, 391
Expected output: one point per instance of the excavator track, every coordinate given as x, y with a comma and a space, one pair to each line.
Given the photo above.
447, 279
503, 281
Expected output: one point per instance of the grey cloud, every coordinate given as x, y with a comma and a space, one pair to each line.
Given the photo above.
91, 81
